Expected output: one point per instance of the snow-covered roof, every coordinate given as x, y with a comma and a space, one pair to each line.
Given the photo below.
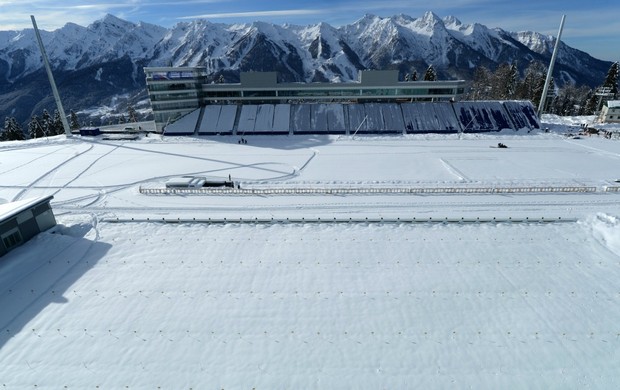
8, 210
613, 103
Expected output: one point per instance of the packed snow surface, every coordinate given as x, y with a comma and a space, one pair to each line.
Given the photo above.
206, 291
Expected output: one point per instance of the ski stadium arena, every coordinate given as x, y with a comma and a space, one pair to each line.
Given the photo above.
369, 244
184, 104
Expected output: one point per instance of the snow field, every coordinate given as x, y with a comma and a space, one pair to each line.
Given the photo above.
332, 305
367, 304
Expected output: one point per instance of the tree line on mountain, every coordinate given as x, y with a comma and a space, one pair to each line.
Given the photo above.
504, 83
47, 125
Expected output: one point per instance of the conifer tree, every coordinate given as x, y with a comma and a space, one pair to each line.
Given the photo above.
504, 82
35, 130
12, 130
611, 80
531, 87
430, 74
583, 98
4, 135
3, 131
132, 114
591, 105
480, 84
46, 123
74, 122
513, 79
57, 126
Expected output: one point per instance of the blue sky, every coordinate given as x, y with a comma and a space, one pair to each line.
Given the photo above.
591, 26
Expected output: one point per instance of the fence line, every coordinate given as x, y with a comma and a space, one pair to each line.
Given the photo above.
319, 220
369, 191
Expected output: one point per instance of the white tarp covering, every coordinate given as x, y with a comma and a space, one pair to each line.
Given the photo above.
318, 119
282, 118
185, 125
392, 117
226, 121
523, 114
375, 118
208, 125
264, 119
300, 118
429, 117
247, 118
336, 121
482, 116
357, 118
338, 118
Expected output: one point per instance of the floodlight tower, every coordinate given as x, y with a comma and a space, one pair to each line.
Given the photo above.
543, 98
50, 76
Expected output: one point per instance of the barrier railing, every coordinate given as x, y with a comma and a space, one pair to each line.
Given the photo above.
319, 220
369, 191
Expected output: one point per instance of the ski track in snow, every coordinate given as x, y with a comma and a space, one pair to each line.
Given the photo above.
49, 172
454, 171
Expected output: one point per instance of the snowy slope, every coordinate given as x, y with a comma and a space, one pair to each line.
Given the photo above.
74, 47
244, 291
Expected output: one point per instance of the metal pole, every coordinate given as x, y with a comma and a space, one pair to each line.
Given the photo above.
50, 76
543, 98
359, 127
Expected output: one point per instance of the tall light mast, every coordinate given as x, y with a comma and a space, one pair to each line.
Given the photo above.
50, 76
543, 98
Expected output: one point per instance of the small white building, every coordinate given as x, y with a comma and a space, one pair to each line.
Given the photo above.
610, 112
22, 220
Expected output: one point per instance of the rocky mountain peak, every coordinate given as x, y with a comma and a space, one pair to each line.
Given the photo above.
107, 57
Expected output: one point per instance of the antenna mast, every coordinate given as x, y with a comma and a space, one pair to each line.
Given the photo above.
543, 98
50, 76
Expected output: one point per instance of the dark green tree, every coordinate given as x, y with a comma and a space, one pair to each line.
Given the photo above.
35, 130
591, 105
132, 114
57, 126
74, 122
430, 74
12, 130
47, 123
504, 82
531, 87
480, 88
570, 100
611, 80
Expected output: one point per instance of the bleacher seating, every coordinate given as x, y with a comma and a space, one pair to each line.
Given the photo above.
358, 118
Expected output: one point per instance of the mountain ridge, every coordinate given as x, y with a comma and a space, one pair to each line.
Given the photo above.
318, 52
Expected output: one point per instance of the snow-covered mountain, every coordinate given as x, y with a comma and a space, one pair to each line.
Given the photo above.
104, 60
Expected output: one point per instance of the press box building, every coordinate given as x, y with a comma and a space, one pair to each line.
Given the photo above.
22, 220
